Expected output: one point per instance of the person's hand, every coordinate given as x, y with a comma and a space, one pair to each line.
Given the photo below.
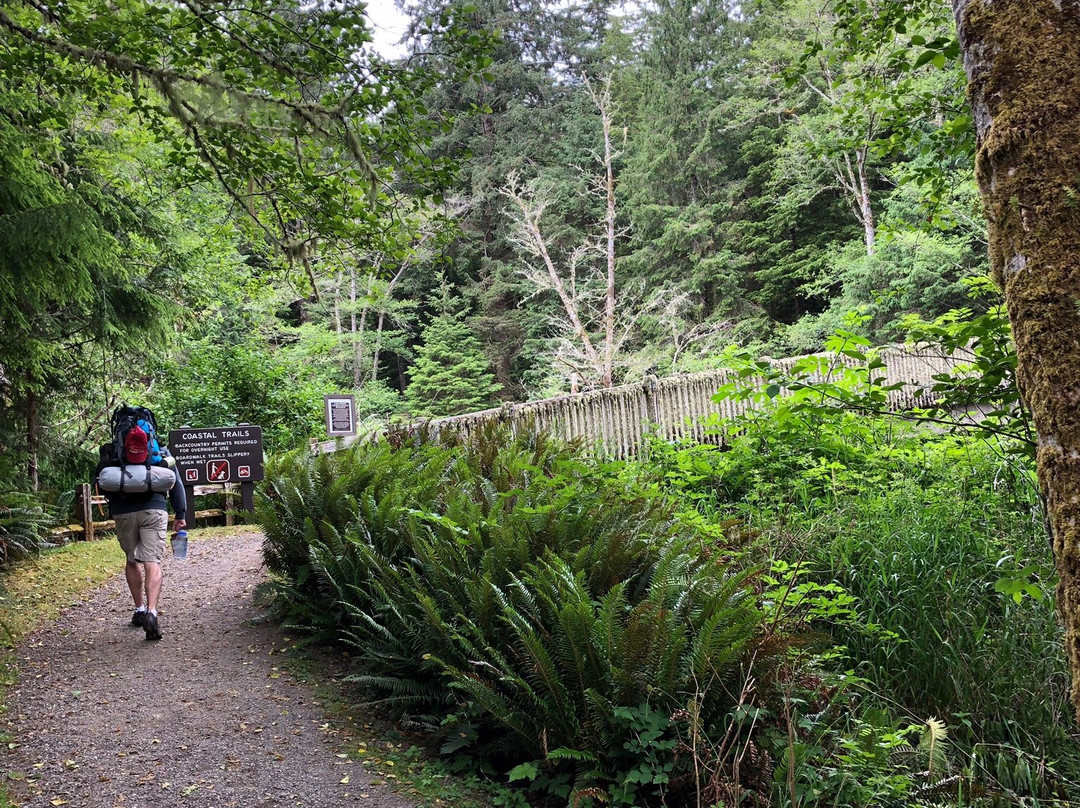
178, 524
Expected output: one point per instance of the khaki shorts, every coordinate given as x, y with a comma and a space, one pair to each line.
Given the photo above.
142, 535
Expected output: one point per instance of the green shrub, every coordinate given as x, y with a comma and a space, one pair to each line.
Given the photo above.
937, 539
538, 615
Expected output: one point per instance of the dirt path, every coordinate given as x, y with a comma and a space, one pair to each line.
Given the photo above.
205, 718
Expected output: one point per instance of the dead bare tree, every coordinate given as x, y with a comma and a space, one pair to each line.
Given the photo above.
602, 99
673, 313
374, 296
596, 333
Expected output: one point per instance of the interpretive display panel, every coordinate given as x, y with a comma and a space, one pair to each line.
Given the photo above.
340, 415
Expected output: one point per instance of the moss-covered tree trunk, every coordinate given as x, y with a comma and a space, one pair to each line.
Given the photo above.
1022, 59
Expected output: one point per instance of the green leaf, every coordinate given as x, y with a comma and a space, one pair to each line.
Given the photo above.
926, 57
524, 771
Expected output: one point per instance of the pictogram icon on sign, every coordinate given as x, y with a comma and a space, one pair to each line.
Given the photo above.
217, 471
243, 471
191, 475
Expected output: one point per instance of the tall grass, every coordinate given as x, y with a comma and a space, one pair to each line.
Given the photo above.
927, 569
932, 569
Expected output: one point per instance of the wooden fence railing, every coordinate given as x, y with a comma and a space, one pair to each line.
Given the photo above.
673, 408
86, 526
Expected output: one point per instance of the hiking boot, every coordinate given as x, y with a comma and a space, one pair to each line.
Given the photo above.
150, 626
138, 618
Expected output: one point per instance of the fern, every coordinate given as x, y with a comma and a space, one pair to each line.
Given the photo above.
932, 748
499, 578
23, 524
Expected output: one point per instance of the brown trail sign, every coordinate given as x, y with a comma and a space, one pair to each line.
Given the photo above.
219, 455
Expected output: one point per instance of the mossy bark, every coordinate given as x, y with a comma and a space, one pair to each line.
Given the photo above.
1022, 58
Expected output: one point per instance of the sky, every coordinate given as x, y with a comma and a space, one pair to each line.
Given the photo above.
388, 23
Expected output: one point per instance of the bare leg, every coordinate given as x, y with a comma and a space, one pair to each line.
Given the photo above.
135, 575
153, 585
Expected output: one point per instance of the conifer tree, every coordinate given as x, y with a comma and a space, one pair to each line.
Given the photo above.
451, 375
69, 291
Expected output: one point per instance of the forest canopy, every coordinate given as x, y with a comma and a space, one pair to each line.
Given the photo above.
237, 208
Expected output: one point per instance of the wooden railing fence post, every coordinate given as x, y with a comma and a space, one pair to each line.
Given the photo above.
230, 506
86, 511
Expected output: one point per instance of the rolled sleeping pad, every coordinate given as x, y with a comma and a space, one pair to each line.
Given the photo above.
132, 479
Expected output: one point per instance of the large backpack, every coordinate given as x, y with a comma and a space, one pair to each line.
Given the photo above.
155, 474
126, 418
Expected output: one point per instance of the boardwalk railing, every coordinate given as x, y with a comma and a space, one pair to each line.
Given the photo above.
86, 526
673, 408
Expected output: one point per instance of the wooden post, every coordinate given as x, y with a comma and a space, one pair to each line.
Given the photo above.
247, 496
86, 511
230, 506
189, 495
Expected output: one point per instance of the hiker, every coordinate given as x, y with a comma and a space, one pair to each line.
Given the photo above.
142, 522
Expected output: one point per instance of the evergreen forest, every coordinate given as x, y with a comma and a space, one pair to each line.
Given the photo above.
227, 210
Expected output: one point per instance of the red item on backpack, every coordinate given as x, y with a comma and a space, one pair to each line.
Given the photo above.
135, 446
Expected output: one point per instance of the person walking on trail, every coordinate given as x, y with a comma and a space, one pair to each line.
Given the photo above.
142, 522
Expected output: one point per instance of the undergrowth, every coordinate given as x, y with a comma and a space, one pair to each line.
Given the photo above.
834, 609
24, 521
542, 622
936, 540
837, 610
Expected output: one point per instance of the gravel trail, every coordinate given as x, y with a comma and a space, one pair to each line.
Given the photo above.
204, 718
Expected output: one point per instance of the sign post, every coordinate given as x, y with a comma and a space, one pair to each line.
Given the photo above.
340, 415
231, 454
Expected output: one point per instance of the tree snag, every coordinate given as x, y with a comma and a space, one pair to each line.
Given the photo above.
1022, 59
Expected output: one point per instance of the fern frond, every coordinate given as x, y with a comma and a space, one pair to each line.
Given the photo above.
932, 745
